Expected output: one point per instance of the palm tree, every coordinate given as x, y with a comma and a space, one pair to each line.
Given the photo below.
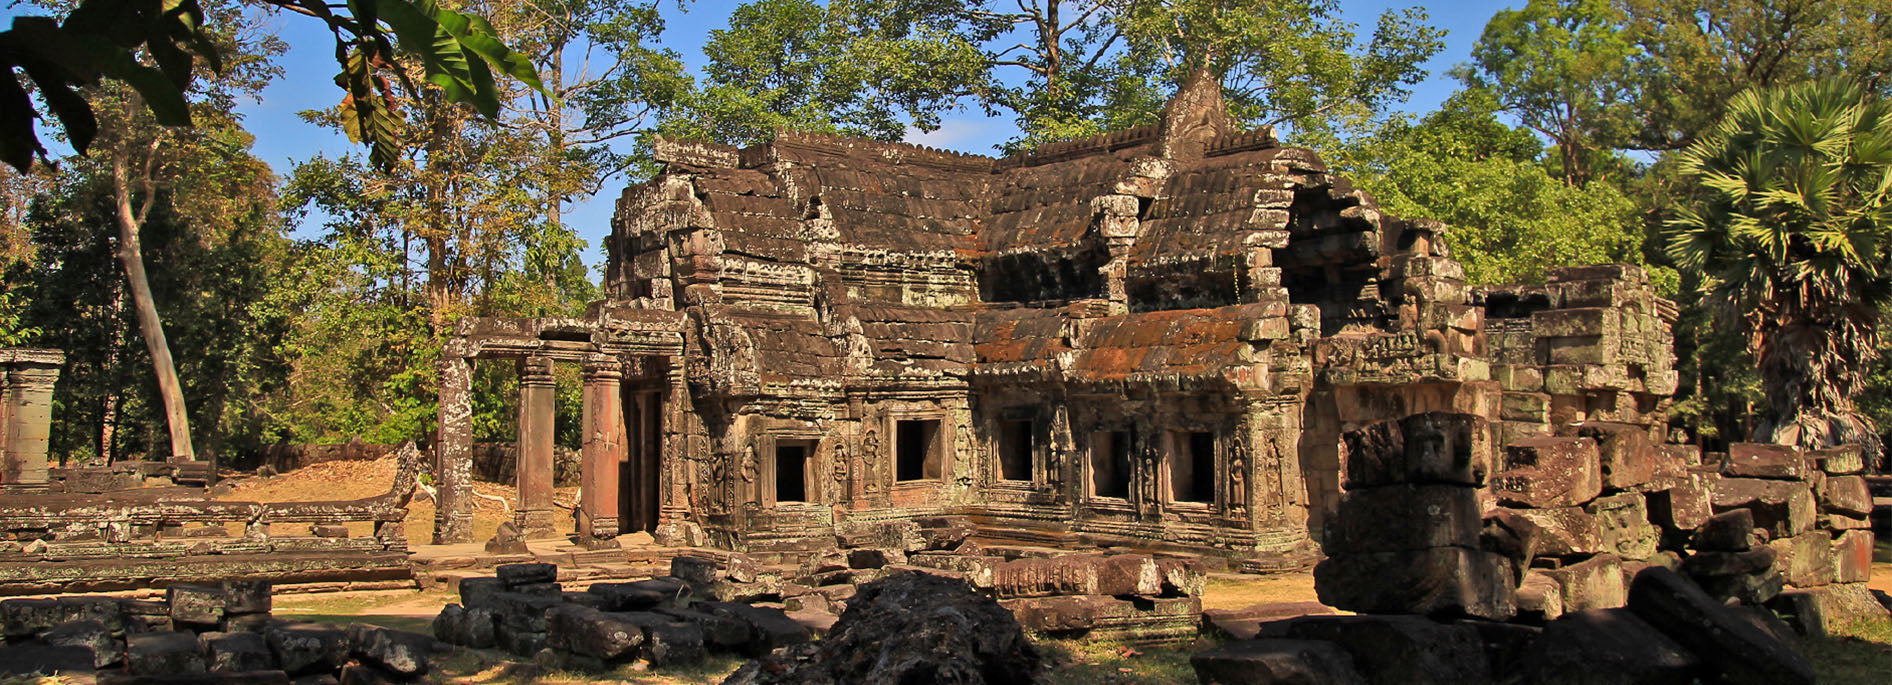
1789, 228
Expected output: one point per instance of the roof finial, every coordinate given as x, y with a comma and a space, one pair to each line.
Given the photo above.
1196, 116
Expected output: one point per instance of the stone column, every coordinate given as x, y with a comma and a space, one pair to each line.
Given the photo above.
534, 463
604, 452
453, 454
29, 403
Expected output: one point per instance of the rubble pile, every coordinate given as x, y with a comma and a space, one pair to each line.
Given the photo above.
200, 634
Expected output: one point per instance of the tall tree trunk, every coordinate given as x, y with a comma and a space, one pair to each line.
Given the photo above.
1811, 369
108, 404
150, 327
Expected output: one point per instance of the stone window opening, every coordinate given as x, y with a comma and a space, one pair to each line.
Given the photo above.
1192, 467
917, 452
1017, 449
792, 458
1110, 464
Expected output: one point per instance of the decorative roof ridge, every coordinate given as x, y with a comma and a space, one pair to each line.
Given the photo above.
896, 151
1081, 147
1258, 138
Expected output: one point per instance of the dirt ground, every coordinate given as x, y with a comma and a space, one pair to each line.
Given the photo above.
345, 480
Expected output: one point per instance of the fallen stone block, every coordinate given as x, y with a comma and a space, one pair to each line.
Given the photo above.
1077, 574
196, 605
1395, 518
1623, 521
242, 678
1728, 646
1540, 597
723, 633
523, 613
1848, 603
1801, 611
667, 640
1263, 662
1595, 583
1783, 508
874, 558
31, 659
478, 592
236, 652
1510, 535
1565, 531
144, 616
515, 575
92, 635
1104, 617
163, 654
1604, 646
593, 633
1625, 452
553, 590
247, 596
399, 652
1181, 577
306, 648
1759, 460
1429, 448
1449, 581
1839, 461
1845, 496
107, 611
637, 596
905, 536
26, 618
1402, 649
1753, 589
244, 623
1682, 507
818, 622
1703, 564
694, 570
1805, 560
1549, 471
1852, 556
1246, 623
1728, 531
769, 629
945, 532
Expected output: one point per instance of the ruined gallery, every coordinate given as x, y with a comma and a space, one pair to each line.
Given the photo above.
1153, 339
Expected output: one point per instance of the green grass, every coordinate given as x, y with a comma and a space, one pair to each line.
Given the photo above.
1091, 663
1859, 652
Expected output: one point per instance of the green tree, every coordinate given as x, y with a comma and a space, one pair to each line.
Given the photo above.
1567, 70
1788, 228
1510, 218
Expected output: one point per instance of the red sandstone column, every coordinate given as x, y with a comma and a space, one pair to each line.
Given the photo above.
453, 454
29, 405
604, 452
534, 463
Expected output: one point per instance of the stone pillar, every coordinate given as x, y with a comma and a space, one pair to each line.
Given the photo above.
30, 375
453, 454
534, 463
604, 452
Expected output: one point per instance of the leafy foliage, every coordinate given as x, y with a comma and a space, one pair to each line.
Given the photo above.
1789, 228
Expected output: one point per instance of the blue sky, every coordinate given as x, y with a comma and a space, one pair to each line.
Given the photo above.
283, 138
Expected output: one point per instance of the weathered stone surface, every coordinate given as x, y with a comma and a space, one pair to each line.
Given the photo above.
694, 570
1265, 662
1596, 583
1605, 646
1752, 589
1540, 597
1852, 556
1839, 461
769, 628
637, 596
1444, 581
1623, 520
1181, 577
1402, 649
1565, 531
875, 558
1783, 508
1805, 560
587, 631
721, 632
1757, 560
1625, 452
478, 592
515, 575
1843, 604
1682, 507
163, 654
236, 652
1728, 531
1397, 518
1846, 496
523, 613
304, 648
196, 604
1138, 620
92, 635
1727, 646
247, 596
1510, 535
1549, 471
26, 618
399, 652
1428, 448
1078, 574
909, 627
1758, 460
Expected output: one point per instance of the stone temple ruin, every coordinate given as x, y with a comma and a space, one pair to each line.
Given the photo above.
1076, 380
1153, 339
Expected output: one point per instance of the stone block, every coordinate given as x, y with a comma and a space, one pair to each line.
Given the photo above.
1604, 646
637, 596
1510, 535
1442, 581
539, 589
1704, 564
307, 648
1394, 518
1839, 461
365, 674
1728, 531
27, 618
1752, 589
515, 575
1852, 556
23, 659
1801, 611
1759, 460
236, 652
1565, 531
1729, 647
198, 605
1540, 597
667, 641
1782, 508
478, 592
901, 535
1182, 577
247, 596
92, 635
1682, 507
402, 653
769, 628
449, 625
163, 654
520, 642
1262, 662
1623, 520
605, 636
1076, 574
481, 629
1549, 472
719, 632
1595, 583
694, 570
1533, 407
1428, 448
1845, 496
1805, 560
875, 558
1626, 453
523, 613
1401, 649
